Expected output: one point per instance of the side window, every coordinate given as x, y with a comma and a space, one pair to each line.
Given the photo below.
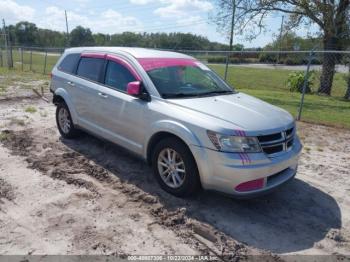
69, 63
118, 76
90, 68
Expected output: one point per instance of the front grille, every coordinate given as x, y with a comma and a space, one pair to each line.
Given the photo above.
277, 142
273, 149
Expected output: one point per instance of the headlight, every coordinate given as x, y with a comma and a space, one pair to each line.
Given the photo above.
238, 144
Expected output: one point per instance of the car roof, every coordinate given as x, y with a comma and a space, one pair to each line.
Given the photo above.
136, 52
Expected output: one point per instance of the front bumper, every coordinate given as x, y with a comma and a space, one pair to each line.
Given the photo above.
223, 172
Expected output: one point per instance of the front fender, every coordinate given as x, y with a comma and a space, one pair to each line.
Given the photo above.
172, 127
65, 96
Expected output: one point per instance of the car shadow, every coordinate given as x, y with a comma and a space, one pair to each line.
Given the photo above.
293, 218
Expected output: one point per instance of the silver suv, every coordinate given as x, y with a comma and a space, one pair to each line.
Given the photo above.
193, 128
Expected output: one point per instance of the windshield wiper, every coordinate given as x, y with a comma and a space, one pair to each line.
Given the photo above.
218, 92
178, 95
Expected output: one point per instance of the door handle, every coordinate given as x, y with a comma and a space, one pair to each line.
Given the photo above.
70, 83
102, 95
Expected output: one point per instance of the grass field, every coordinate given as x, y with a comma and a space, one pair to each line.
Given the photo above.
270, 85
38, 61
266, 84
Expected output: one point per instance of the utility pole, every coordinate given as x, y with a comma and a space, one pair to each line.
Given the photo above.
281, 34
67, 39
8, 55
231, 35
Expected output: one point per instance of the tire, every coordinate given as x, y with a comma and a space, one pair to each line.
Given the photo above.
188, 182
67, 131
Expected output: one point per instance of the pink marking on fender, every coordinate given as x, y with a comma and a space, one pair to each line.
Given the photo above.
154, 63
240, 133
242, 160
125, 64
248, 158
93, 55
245, 158
250, 185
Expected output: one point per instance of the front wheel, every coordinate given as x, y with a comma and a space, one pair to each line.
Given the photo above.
175, 168
64, 122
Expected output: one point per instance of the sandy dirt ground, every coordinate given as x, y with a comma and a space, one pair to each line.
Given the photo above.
87, 196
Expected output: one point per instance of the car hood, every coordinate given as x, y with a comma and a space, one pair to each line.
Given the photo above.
244, 111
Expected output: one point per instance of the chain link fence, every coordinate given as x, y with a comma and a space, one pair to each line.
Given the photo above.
309, 84
34, 59
326, 69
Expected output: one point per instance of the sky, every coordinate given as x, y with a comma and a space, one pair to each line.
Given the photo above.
116, 16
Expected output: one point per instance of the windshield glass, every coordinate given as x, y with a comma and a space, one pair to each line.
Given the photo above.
186, 79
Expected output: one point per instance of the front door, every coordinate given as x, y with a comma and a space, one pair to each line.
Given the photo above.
120, 114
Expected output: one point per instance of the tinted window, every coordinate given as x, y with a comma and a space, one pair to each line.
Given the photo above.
90, 68
69, 63
118, 76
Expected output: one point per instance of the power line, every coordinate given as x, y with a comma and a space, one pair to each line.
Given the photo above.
65, 14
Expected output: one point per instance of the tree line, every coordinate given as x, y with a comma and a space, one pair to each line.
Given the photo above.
28, 34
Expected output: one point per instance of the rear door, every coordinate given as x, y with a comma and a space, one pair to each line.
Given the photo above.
87, 89
66, 77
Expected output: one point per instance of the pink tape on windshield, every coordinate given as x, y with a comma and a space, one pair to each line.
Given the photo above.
93, 55
154, 63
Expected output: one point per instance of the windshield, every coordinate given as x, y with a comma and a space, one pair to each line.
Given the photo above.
188, 79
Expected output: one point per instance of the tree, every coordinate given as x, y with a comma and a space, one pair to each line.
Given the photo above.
331, 16
81, 36
100, 39
26, 33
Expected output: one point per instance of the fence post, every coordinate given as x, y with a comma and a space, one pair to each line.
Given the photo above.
22, 58
30, 60
45, 61
11, 57
226, 67
347, 93
1, 63
306, 78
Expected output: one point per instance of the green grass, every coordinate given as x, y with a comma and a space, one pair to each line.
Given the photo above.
3, 136
16, 78
30, 109
270, 86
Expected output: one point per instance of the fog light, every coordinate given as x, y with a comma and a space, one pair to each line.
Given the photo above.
250, 185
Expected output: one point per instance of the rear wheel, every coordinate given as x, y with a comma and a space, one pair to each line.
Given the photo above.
175, 168
64, 122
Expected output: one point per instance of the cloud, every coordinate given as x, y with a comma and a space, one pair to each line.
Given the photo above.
11, 11
52, 17
181, 8
177, 8
141, 2
109, 21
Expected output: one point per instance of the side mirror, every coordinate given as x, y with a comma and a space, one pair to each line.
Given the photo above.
134, 88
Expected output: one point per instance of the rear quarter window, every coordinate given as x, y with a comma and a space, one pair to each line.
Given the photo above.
90, 68
69, 63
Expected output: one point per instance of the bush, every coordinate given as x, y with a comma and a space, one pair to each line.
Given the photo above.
233, 60
267, 58
296, 80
